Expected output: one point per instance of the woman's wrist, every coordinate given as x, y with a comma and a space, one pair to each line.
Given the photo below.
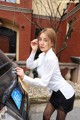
22, 77
33, 51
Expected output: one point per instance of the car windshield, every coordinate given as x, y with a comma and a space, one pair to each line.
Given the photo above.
6, 77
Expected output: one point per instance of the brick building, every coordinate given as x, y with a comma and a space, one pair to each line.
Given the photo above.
17, 30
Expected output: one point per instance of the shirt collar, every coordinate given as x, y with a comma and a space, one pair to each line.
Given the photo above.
49, 51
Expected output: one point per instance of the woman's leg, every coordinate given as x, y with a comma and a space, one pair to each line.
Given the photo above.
48, 111
61, 115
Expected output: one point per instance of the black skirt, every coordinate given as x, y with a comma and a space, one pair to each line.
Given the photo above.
58, 101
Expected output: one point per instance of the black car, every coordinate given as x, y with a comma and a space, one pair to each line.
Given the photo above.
14, 101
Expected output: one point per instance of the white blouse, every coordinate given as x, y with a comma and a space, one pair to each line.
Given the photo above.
49, 73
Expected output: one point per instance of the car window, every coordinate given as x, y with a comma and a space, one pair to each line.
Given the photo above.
5, 67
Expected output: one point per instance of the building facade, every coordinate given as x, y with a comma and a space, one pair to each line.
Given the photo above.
15, 29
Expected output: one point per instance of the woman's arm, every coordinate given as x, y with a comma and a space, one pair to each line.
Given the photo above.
44, 80
30, 62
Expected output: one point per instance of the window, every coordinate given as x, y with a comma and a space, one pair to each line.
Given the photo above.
69, 29
12, 1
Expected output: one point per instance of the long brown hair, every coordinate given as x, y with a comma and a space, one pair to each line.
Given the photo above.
52, 35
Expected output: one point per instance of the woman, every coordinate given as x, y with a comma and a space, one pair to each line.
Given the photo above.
62, 97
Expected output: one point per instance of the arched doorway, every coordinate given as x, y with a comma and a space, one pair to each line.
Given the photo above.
7, 40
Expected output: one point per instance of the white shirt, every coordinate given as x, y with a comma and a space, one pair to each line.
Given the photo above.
49, 73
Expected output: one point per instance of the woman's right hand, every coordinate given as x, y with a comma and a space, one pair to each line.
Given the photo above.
20, 72
34, 45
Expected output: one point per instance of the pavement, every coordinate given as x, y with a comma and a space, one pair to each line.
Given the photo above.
36, 112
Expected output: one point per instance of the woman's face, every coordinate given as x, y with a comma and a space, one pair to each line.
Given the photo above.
44, 42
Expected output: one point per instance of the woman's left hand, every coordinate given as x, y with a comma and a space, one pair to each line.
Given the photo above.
34, 45
20, 72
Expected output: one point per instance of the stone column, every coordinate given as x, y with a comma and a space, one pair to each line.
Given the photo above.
76, 72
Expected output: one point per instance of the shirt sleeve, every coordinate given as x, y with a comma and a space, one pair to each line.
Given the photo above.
30, 62
47, 74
